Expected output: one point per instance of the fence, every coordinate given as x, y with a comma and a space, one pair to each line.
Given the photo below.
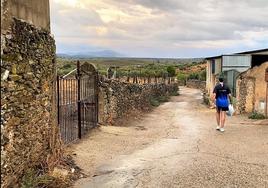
146, 80
77, 102
138, 76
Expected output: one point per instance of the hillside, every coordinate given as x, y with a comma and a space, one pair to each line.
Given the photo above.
144, 66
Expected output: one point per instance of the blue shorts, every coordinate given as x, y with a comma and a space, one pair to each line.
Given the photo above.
219, 108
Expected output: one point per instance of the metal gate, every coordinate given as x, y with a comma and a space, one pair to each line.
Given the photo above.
77, 95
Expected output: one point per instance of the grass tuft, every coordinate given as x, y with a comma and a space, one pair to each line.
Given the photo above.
156, 101
33, 179
256, 115
175, 93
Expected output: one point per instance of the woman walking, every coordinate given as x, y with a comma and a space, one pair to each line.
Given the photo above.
221, 93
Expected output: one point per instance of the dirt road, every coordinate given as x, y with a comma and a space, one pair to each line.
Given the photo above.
176, 145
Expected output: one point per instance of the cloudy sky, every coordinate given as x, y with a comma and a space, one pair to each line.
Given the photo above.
160, 28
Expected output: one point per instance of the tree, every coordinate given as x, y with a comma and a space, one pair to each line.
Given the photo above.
171, 71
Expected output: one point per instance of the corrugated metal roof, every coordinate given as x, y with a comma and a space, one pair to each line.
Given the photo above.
264, 50
254, 51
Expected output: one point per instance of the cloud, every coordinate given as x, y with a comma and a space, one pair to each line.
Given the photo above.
161, 28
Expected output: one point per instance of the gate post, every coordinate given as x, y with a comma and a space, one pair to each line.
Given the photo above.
58, 99
79, 100
96, 88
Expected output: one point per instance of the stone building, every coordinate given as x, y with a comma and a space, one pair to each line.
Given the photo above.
28, 127
252, 90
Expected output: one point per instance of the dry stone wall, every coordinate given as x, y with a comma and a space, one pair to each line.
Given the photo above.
28, 127
197, 84
251, 90
117, 99
246, 95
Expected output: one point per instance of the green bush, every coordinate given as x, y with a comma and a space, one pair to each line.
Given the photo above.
33, 179
162, 99
203, 75
171, 71
102, 72
181, 77
174, 93
154, 101
182, 66
256, 115
68, 66
193, 76
29, 179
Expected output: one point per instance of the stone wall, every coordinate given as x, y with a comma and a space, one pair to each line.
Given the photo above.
197, 84
246, 95
251, 90
181, 82
117, 99
28, 119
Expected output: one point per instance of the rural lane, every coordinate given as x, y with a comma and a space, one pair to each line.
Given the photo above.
175, 145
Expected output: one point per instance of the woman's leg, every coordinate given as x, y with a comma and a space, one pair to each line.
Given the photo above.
218, 116
222, 118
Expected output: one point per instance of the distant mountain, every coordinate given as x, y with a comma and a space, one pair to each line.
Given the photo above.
91, 54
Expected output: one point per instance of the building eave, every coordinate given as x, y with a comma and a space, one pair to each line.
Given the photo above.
214, 57
239, 54
254, 51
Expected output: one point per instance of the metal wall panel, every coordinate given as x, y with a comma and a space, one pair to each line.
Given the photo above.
241, 60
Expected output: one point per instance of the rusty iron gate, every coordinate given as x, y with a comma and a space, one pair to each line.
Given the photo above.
77, 96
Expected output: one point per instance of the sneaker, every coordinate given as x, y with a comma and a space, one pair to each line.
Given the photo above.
222, 129
218, 128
